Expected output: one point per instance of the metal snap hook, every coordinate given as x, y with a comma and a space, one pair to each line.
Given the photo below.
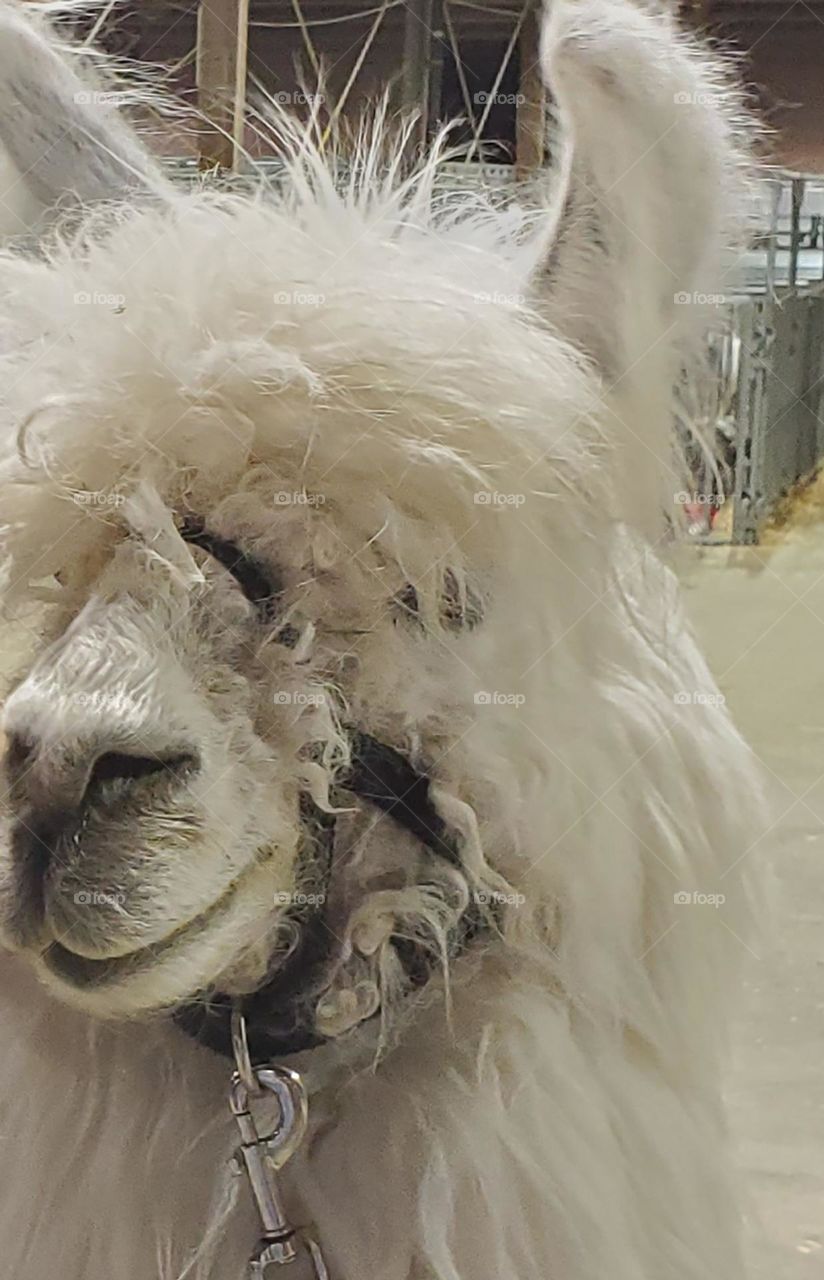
261, 1155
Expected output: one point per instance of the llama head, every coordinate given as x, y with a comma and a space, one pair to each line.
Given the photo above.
267, 530
311, 465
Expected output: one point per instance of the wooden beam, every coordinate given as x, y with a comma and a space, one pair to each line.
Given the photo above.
222, 56
530, 119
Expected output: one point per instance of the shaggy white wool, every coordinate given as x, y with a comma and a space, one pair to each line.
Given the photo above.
367, 389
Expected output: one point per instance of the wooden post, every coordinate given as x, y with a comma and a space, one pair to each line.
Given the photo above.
697, 12
437, 50
222, 55
415, 77
530, 121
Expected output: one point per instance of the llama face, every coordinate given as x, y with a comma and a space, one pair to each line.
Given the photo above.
212, 656
202, 685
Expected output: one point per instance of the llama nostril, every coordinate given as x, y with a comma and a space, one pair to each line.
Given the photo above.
18, 761
41, 781
121, 766
19, 753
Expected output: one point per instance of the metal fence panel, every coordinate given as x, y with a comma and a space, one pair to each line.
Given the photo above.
779, 428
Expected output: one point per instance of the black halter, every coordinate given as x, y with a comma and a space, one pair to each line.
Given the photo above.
280, 1013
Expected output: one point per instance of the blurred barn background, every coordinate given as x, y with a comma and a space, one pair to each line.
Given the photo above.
477, 61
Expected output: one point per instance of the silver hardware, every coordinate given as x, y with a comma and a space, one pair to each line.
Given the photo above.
313, 1249
240, 1046
261, 1156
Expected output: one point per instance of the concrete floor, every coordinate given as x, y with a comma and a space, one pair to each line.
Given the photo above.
760, 614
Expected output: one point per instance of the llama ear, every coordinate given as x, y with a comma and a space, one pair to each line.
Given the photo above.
63, 140
650, 178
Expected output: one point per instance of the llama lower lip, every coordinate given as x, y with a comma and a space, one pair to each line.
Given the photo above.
86, 972
82, 972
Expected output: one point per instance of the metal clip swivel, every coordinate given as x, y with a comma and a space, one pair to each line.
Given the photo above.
261, 1156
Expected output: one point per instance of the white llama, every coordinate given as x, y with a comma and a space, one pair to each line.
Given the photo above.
361, 697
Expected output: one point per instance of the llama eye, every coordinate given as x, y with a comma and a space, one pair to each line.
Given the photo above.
252, 577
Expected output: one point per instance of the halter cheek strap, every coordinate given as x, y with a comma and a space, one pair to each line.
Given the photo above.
280, 1015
